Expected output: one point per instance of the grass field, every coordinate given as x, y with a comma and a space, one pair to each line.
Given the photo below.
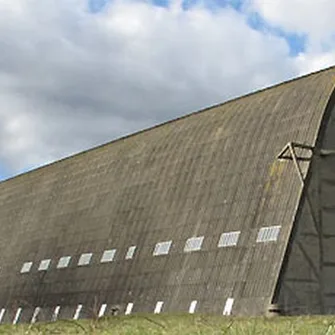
181, 325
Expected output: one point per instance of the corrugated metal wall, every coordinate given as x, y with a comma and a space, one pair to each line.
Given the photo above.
308, 283
203, 175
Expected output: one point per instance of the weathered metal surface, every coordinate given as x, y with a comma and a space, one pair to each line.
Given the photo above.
205, 174
307, 283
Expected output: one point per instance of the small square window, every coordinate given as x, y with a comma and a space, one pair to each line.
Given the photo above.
55, 313
158, 307
17, 316
77, 312
108, 256
102, 310
130, 252
2, 313
228, 306
162, 248
63, 262
229, 239
268, 234
193, 244
192, 307
85, 259
44, 265
35, 315
129, 308
26, 267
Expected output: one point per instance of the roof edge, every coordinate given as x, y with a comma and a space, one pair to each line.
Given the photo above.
171, 121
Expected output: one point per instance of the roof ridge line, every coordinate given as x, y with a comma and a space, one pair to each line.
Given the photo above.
169, 121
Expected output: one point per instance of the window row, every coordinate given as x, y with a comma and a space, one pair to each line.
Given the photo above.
227, 239
84, 259
102, 311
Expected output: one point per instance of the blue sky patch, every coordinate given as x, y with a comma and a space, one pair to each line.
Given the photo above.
215, 4
161, 3
96, 6
296, 42
4, 174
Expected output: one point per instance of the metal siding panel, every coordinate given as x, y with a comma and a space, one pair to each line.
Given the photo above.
201, 175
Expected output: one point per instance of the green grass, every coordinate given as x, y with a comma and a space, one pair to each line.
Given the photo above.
181, 325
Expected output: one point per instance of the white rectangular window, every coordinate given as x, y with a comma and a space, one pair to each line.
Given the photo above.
102, 310
229, 239
228, 306
158, 307
17, 316
130, 252
193, 244
35, 315
77, 312
192, 307
108, 256
44, 265
268, 234
162, 248
129, 308
55, 314
85, 259
2, 313
63, 262
26, 267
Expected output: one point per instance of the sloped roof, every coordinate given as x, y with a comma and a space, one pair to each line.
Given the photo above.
203, 174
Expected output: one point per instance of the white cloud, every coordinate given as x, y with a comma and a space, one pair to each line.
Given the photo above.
176, 6
70, 79
312, 17
309, 18
310, 62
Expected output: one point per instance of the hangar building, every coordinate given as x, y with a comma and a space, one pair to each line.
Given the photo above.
227, 211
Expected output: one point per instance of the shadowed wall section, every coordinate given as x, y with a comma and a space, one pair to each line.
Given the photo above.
307, 282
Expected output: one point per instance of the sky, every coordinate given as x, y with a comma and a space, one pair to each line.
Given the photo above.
78, 73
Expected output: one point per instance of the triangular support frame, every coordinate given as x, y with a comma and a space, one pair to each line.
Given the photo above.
289, 153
